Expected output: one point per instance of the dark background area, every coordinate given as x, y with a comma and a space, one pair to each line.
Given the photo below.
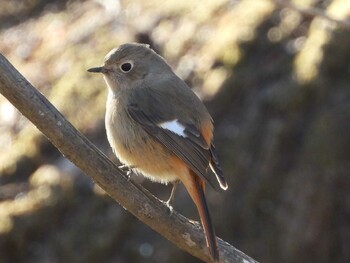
276, 81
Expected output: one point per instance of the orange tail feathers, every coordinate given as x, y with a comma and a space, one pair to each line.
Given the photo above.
195, 187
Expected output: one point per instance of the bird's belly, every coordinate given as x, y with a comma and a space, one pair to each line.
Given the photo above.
135, 148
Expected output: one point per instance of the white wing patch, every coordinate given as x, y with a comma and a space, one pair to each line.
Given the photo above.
174, 126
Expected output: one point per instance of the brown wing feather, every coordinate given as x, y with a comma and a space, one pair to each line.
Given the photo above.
171, 99
216, 168
193, 154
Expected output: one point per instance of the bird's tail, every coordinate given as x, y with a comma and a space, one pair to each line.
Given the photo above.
195, 187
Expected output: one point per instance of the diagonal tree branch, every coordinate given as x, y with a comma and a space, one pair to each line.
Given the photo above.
183, 233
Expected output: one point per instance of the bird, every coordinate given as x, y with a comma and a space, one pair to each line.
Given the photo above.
157, 126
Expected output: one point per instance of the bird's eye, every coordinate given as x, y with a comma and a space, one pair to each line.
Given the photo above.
126, 67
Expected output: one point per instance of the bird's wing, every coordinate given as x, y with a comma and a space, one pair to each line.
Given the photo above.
216, 168
172, 120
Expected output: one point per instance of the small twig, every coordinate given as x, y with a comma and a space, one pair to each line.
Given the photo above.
175, 227
312, 12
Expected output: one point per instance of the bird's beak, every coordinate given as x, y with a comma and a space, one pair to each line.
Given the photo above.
97, 70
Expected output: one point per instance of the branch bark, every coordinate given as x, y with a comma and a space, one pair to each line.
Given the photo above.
185, 234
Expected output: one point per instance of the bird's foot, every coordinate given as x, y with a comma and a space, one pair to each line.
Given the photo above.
128, 170
171, 208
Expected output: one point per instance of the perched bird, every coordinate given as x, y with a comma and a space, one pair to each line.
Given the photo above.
159, 127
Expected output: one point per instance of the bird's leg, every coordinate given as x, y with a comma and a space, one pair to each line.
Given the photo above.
173, 190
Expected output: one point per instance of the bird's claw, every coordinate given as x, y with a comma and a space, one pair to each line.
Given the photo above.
170, 207
128, 170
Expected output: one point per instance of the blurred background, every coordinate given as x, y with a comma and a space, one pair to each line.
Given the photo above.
276, 81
